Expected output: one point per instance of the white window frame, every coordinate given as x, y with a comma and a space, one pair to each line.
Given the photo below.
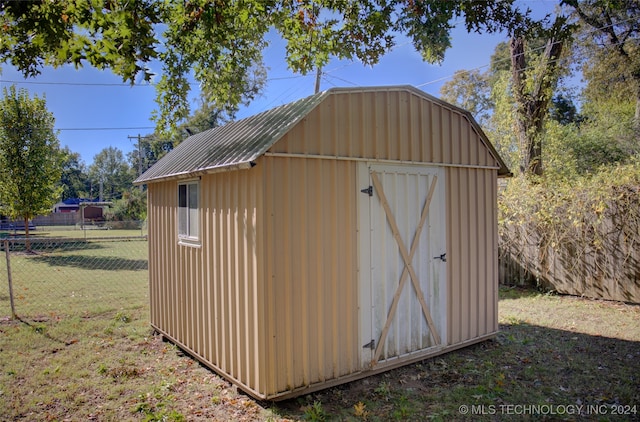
189, 212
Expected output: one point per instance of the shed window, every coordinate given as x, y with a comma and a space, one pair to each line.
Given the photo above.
188, 215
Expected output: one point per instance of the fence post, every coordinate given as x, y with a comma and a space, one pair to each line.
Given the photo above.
8, 255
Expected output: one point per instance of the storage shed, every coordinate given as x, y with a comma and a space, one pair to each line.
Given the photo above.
325, 240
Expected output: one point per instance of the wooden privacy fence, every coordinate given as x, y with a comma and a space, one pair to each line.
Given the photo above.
599, 259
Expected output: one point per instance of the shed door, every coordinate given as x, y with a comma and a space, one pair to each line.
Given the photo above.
403, 260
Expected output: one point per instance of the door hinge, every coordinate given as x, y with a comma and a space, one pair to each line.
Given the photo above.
368, 190
371, 345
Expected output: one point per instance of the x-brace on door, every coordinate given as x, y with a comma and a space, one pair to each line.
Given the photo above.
403, 260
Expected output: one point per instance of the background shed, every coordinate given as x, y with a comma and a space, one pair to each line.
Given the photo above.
325, 240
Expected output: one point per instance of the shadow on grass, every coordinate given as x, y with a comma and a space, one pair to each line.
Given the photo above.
52, 245
519, 292
88, 262
524, 365
41, 329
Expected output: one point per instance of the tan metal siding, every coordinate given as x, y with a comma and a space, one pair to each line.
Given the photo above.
311, 280
387, 125
207, 297
230, 203
162, 227
472, 253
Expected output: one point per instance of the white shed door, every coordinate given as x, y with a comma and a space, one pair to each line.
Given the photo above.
403, 260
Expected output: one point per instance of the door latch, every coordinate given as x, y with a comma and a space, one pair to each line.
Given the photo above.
443, 257
368, 191
371, 345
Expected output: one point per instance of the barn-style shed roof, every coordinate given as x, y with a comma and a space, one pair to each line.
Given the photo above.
237, 144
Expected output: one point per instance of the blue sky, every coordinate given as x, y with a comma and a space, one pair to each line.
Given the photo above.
91, 115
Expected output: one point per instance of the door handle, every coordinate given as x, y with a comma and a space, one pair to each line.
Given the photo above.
443, 257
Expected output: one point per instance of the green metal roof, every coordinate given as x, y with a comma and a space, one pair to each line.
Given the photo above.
234, 145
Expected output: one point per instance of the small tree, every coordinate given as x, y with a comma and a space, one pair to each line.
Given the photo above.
30, 158
111, 173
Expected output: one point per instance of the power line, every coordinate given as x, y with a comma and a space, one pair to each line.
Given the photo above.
104, 128
120, 85
25, 82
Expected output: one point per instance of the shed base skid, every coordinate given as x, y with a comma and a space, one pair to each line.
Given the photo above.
284, 395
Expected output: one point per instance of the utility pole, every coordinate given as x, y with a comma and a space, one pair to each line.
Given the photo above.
318, 76
139, 154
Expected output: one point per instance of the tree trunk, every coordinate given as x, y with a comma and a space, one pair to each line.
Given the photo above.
27, 242
635, 81
532, 100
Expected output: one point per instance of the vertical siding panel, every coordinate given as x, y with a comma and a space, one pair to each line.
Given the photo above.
247, 252
381, 128
485, 156
491, 256
454, 244
415, 125
475, 275
269, 181
233, 280
155, 279
426, 137
298, 238
492, 241
326, 342
460, 147
261, 334
467, 274
349, 128
288, 320
316, 268
350, 258
169, 268
395, 130
482, 252
180, 296
172, 281
209, 306
366, 125
216, 257
403, 119
389, 137
227, 274
190, 306
446, 123
338, 128
474, 144
196, 283
436, 134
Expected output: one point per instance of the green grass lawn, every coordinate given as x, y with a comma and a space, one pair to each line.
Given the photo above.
84, 350
76, 232
72, 277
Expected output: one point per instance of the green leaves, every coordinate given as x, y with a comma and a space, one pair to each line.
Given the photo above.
218, 44
116, 34
30, 158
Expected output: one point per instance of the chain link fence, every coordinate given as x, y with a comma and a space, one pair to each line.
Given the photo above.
64, 271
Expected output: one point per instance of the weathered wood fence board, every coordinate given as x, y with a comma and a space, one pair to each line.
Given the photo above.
600, 261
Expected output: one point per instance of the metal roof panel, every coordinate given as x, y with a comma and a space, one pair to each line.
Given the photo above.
233, 145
